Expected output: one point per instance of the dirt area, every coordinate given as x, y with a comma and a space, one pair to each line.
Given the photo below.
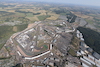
82, 22
21, 51
80, 15
91, 26
31, 25
15, 28
36, 50
62, 17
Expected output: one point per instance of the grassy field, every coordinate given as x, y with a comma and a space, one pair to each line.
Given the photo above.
43, 17
53, 16
29, 15
80, 15
33, 18
7, 31
43, 45
89, 21
21, 27
1, 45
19, 14
72, 52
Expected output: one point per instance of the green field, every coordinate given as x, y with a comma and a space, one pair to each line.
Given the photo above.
72, 52
1, 45
89, 21
43, 17
29, 15
21, 27
7, 31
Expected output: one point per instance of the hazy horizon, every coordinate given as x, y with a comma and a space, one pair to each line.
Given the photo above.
76, 2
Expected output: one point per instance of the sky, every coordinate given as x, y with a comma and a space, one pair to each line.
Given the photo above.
79, 2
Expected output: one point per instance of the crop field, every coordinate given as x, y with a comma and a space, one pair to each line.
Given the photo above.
43, 17
80, 15
53, 16
26, 13
29, 15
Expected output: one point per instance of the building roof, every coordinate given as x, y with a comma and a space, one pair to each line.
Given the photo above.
90, 49
78, 31
82, 44
96, 55
90, 56
89, 60
83, 60
82, 47
84, 65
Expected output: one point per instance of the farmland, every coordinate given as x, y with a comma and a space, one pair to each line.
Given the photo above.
7, 31
28, 13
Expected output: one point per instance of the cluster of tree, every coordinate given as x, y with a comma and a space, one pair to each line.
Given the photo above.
71, 18
12, 19
46, 7
1, 5
36, 13
87, 10
59, 26
96, 19
92, 38
3, 12
18, 65
23, 19
27, 12
22, 11
8, 19
61, 10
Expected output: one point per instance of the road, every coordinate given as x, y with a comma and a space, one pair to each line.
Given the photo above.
29, 58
